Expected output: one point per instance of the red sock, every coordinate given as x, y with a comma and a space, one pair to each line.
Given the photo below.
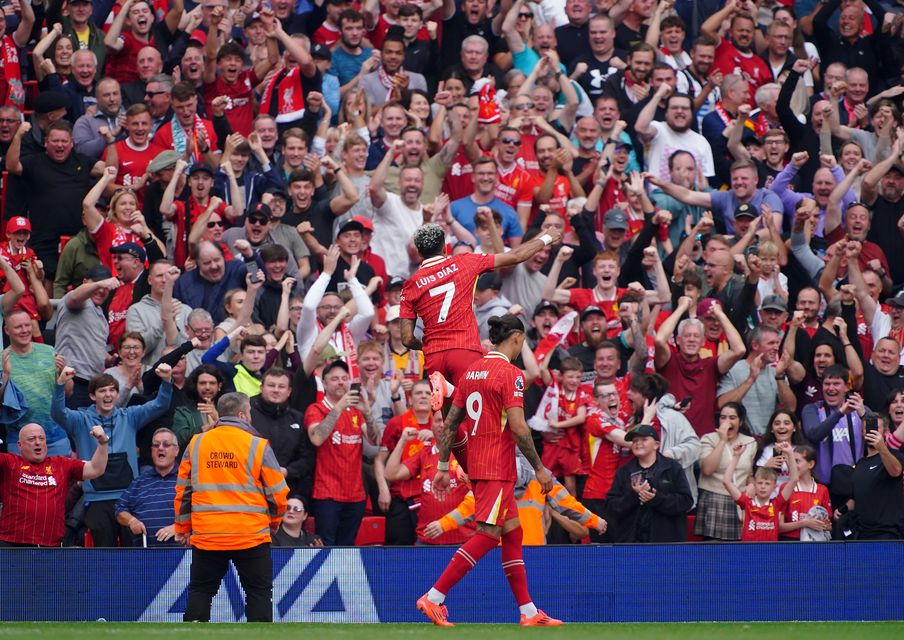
464, 560
513, 565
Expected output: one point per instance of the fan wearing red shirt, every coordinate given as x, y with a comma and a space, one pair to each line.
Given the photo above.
604, 295
557, 183
562, 455
225, 74
337, 425
123, 46
132, 156
515, 185
34, 486
737, 55
421, 469
489, 403
806, 494
399, 499
761, 512
605, 439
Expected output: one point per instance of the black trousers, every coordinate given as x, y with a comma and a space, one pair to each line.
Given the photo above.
100, 518
401, 523
255, 568
599, 508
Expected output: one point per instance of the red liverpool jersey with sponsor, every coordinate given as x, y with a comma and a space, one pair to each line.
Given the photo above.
760, 521
515, 187
487, 390
605, 457
580, 299
240, 103
337, 475
132, 164
34, 498
441, 293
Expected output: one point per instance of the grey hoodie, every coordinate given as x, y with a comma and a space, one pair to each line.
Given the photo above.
679, 441
497, 306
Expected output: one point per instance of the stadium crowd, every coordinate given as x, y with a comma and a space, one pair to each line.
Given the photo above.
215, 197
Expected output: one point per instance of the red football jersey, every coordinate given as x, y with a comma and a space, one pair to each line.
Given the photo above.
337, 474
486, 391
441, 293
568, 408
605, 456
423, 467
326, 35
751, 67
240, 103
459, 180
132, 164
760, 522
122, 65
34, 498
391, 435
800, 503
379, 32
580, 299
515, 186
110, 235
527, 158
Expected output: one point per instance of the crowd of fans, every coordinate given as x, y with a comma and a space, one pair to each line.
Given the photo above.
201, 198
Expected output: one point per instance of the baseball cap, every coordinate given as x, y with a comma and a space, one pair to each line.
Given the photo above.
392, 312
201, 167
322, 52
745, 211
261, 209
774, 302
257, 216
163, 160
642, 431
333, 365
543, 305
395, 283
97, 273
279, 192
350, 225
616, 219
897, 300
591, 309
705, 306
329, 352
17, 223
131, 248
366, 222
489, 280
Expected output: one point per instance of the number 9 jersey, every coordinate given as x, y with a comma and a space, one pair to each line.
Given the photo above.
488, 388
441, 292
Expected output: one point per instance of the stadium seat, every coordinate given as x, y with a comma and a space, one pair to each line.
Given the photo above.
372, 532
89, 539
691, 519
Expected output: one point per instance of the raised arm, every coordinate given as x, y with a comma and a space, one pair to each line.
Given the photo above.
525, 250
728, 476
377, 180
26, 22
111, 40
682, 194
662, 354
645, 132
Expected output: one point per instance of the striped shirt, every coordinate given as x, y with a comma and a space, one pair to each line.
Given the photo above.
150, 498
34, 498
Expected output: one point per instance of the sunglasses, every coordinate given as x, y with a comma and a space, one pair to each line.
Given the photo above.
154, 93
215, 223
525, 16
517, 143
260, 221
295, 509
524, 106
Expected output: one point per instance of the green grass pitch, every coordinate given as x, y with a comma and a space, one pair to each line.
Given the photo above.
695, 631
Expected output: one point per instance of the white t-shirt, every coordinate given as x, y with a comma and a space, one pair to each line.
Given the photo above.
667, 142
394, 224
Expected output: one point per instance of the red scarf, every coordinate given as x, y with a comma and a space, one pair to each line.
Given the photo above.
16, 91
287, 103
348, 345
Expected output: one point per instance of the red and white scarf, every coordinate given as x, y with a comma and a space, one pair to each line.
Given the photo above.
13, 72
288, 96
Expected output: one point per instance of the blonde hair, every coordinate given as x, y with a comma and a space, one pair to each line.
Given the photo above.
111, 210
767, 249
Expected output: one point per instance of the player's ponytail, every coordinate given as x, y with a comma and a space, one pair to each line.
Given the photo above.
501, 327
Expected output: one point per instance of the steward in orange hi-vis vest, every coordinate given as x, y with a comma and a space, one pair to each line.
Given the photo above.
230, 493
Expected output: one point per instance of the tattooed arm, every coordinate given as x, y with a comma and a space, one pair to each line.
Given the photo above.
521, 433
320, 432
453, 419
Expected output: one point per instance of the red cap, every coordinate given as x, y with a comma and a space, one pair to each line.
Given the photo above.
17, 223
365, 222
705, 306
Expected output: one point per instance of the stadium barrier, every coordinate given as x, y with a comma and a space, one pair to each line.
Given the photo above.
631, 583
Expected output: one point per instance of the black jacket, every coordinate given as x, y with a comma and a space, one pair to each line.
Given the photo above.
283, 426
664, 518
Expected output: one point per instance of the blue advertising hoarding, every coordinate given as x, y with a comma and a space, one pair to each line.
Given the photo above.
631, 583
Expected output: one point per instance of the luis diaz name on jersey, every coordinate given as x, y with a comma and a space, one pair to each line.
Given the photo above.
429, 279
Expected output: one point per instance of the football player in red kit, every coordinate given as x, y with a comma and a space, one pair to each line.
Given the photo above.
441, 293
488, 396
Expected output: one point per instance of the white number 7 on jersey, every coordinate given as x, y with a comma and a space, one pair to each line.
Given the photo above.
448, 291
474, 407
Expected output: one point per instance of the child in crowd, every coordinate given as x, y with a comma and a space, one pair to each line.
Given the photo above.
562, 449
807, 515
761, 513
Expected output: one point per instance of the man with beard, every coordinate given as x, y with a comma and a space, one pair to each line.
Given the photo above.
391, 78
556, 182
673, 135
205, 286
414, 153
351, 60
574, 37
631, 85
525, 282
883, 189
514, 184
736, 56
699, 80
587, 134
689, 374
603, 59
